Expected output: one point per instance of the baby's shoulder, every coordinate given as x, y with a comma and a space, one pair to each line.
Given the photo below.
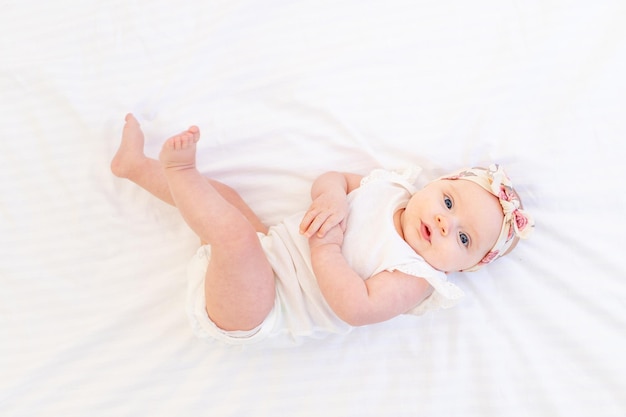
405, 176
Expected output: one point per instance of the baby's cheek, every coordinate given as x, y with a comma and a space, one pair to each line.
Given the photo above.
455, 260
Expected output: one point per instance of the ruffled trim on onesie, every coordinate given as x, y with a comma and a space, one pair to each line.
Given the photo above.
445, 294
406, 177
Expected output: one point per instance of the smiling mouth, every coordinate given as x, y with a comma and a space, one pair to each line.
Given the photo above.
425, 232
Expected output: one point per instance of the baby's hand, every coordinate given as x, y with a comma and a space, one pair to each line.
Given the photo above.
326, 211
333, 237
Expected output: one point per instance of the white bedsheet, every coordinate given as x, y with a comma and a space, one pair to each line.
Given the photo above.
92, 268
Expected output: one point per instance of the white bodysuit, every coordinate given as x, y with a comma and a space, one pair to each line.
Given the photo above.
371, 244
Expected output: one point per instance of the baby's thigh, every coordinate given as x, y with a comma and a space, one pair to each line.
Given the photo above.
240, 287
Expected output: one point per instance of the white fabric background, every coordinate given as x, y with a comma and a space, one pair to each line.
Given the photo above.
92, 268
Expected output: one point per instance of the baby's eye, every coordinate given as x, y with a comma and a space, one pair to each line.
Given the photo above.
448, 202
464, 238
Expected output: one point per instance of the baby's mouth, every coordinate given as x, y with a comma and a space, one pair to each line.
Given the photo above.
425, 232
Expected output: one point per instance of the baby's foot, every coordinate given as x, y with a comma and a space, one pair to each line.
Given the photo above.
130, 153
179, 151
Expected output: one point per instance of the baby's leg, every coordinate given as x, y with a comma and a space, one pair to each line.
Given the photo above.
239, 284
131, 163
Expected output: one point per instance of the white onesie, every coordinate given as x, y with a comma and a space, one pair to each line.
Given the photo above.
371, 244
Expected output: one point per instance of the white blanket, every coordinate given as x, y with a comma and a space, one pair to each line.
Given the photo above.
92, 268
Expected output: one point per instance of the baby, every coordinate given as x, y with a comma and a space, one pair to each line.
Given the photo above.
367, 249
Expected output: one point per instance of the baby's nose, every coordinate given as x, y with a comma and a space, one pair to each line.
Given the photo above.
442, 223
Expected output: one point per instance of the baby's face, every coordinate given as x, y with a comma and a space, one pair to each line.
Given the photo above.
452, 224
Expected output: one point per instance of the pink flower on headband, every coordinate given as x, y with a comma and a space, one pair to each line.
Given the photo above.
489, 257
521, 221
506, 194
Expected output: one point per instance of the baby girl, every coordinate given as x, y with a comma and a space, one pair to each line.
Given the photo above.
367, 249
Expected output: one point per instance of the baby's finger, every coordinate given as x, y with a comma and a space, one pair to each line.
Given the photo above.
319, 225
329, 223
307, 219
315, 224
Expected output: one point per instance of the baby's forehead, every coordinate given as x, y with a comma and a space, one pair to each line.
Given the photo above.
461, 183
457, 183
470, 191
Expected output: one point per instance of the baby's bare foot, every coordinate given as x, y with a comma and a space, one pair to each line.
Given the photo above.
179, 151
130, 153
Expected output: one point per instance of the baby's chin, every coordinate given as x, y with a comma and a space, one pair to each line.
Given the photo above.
435, 265
445, 267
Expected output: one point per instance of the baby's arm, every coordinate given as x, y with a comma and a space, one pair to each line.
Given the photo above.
329, 206
358, 302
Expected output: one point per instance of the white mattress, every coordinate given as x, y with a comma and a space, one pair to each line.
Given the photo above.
92, 268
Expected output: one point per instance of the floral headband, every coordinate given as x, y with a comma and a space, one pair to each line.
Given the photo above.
517, 222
